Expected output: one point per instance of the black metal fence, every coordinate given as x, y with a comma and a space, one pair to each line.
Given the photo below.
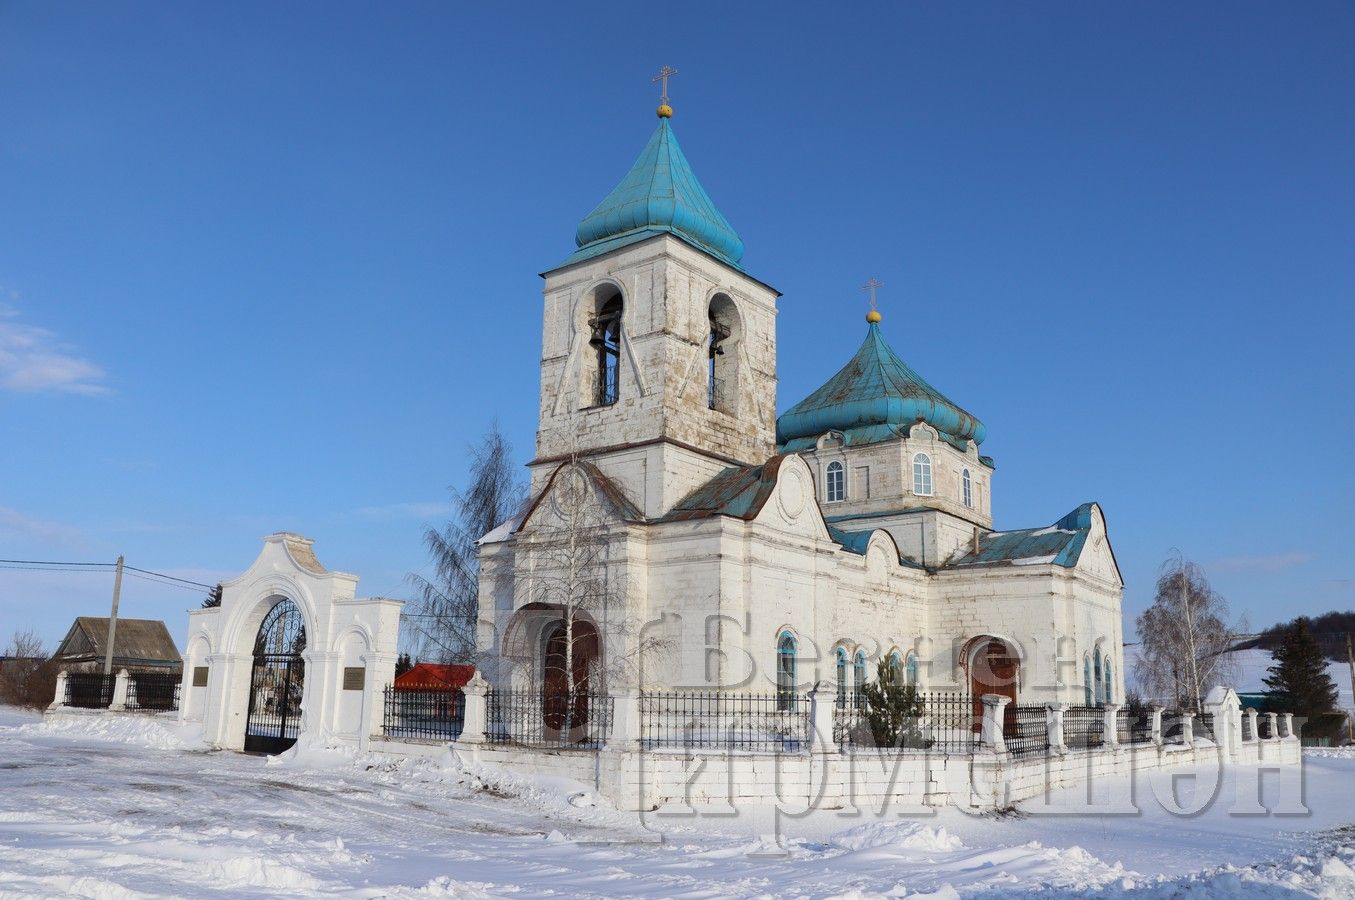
427, 715
1203, 727
153, 692
726, 720
1025, 729
89, 690
946, 723
1134, 726
533, 719
1264, 729
1173, 731
1084, 727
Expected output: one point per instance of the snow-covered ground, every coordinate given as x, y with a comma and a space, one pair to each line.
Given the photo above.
115, 807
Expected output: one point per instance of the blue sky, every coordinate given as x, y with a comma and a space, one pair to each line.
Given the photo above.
269, 267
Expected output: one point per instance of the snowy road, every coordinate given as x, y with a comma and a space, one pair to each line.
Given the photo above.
119, 808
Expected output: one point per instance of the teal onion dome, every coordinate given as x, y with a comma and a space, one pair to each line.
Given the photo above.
875, 395
659, 195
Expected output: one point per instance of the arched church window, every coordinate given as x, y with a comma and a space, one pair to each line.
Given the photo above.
837, 482
895, 667
785, 671
1096, 676
910, 670
1087, 689
606, 343
968, 488
1110, 682
841, 678
720, 361
922, 475
860, 674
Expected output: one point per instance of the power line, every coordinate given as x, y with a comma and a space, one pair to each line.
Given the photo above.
39, 565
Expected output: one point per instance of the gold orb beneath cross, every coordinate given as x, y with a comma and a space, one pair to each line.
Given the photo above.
874, 317
664, 111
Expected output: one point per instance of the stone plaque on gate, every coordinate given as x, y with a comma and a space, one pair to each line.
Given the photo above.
199, 676
354, 678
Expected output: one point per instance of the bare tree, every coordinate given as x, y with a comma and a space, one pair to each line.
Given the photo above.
26, 677
446, 608
1186, 636
572, 568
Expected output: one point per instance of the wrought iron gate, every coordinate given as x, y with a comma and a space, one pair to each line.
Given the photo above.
277, 683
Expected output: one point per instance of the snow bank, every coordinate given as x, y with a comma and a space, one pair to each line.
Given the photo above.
901, 835
142, 731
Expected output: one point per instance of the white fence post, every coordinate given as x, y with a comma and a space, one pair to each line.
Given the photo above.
1110, 730
1255, 735
625, 736
1273, 726
473, 713
1287, 726
822, 703
994, 714
1157, 724
119, 691
60, 699
1054, 726
1188, 728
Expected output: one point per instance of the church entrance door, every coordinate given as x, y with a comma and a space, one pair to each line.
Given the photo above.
564, 699
277, 681
994, 670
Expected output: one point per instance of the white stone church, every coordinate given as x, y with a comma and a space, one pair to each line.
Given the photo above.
745, 551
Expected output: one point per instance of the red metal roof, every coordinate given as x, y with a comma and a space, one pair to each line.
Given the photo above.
434, 676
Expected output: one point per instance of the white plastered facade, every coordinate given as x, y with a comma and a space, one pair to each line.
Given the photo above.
342, 632
719, 590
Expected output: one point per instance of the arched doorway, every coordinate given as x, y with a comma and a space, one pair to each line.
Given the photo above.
277, 681
994, 668
564, 695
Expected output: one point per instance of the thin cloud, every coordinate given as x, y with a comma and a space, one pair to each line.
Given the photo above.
1274, 562
16, 524
34, 359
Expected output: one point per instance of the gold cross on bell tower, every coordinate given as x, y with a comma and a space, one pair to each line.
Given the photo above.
665, 111
870, 287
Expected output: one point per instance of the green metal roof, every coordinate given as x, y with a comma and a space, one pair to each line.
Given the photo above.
659, 195
1060, 544
874, 397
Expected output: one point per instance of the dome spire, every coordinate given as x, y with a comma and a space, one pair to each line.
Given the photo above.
870, 287
664, 111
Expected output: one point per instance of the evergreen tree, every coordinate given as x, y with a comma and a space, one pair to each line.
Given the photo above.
213, 598
403, 664
893, 710
1299, 675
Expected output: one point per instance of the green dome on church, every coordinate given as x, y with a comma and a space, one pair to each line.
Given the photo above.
660, 195
874, 397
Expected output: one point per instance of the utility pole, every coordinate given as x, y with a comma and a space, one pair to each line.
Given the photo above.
1350, 661
113, 620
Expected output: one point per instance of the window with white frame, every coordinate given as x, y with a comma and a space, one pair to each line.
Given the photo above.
968, 488
1096, 676
910, 670
841, 678
785, 671
922, 475
860, 667
837, 483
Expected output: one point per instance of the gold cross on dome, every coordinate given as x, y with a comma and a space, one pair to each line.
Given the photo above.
665, 73
870, 287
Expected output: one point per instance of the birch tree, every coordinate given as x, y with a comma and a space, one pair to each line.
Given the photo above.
447, 603
572, 569
1185, 637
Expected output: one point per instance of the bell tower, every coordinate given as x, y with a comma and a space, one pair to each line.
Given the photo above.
658, 360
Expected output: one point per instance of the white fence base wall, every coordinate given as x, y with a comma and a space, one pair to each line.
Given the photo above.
896, 782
